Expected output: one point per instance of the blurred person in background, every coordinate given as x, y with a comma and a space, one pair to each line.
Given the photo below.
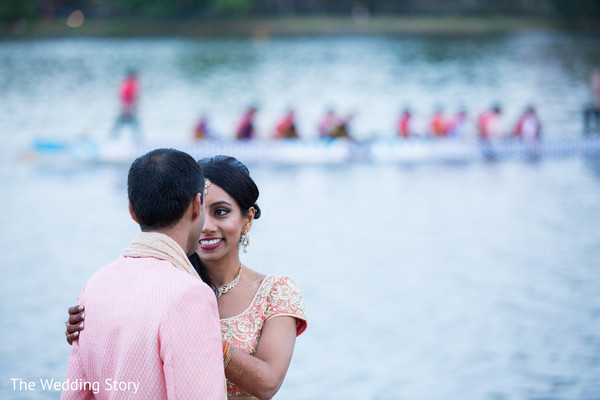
342, 128
245, 128
129, 92
592, 112
438, 126
528, 127
261, 315
286, 127
458, 127
201, 129
405, 129
489, 124
327, 123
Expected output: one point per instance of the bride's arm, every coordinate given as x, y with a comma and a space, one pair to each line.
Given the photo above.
262, 374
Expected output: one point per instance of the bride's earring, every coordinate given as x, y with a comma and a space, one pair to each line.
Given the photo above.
245, 240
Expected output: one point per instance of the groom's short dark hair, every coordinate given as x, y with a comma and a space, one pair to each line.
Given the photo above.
160, 186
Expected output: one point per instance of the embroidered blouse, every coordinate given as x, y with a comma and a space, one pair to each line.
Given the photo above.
277, 296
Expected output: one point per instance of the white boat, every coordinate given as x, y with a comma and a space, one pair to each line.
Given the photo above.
326, 152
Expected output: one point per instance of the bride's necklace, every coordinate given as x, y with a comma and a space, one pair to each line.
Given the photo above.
225, 288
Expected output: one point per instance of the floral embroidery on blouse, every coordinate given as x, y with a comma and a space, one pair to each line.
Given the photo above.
276, 296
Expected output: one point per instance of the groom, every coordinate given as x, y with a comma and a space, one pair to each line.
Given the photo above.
152, 326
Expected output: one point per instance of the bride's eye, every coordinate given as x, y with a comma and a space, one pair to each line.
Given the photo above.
220, 212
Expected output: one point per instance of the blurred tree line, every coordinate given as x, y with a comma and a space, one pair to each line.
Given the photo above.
33, 10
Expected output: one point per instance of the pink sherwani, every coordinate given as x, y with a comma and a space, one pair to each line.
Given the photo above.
151, 331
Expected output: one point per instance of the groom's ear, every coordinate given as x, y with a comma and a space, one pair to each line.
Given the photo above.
197, 206
133, 214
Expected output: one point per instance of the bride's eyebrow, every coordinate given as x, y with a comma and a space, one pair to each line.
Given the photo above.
218, 203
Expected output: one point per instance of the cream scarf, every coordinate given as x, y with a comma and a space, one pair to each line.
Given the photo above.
161, 246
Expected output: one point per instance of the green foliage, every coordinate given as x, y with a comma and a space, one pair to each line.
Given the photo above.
231, 7
16, 10
31, 10
577, 9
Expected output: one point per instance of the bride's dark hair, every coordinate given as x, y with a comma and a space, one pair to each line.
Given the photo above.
233, 177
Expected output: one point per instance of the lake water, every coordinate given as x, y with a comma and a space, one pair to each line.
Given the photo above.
472, 281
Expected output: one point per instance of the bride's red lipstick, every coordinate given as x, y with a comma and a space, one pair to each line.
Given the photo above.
210, 243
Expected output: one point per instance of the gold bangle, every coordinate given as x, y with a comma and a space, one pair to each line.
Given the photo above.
225, 348
228, 355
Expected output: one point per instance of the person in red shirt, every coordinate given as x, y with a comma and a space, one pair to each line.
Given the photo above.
405, 124
489, 124
129, 91
438, 126
286, 128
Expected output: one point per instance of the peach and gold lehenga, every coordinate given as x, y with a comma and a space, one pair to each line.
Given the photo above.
276, 296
